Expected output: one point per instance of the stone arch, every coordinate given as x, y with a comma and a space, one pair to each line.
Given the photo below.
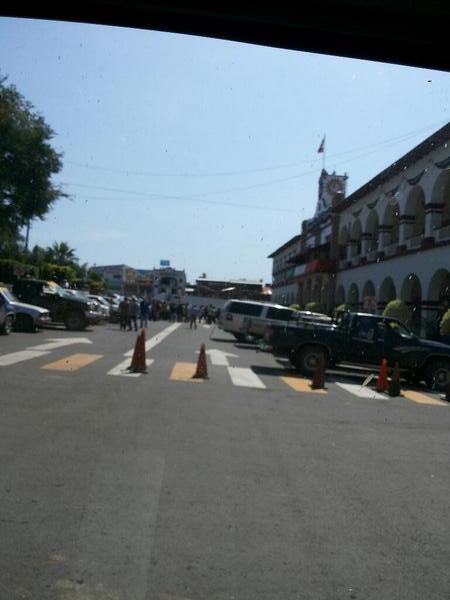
415, 206
387, 291
353, 295
439, 288
368, 289
411, 293
441, 195
391, 218
372, 225
356, 237
340, 295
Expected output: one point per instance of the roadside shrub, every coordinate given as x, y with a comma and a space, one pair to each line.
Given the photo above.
11, 269
314, 307
57, 273
339, 310
295, 307
95, 287
445, 324
397, 309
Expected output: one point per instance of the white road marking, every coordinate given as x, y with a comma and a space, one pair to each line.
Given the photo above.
156, 339
219, 358
54, 343
16, 357
122, 368
361, 392
244, 377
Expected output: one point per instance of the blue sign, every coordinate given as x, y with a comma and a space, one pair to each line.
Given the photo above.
164, 263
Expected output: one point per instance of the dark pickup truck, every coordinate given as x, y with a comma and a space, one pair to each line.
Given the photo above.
75, 312
363, 339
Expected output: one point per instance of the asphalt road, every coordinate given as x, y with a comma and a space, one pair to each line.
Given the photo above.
151, 488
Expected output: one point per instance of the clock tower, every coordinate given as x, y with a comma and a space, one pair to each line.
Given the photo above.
330, 186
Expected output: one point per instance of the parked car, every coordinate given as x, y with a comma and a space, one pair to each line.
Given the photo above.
362, 339
74, 310
7, 317
104, 306
27, 316
248, 317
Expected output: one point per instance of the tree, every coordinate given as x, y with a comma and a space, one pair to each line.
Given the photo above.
27, 162
61, 254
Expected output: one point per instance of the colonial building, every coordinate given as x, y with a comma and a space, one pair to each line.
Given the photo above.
388, 239
394, 235
284, 285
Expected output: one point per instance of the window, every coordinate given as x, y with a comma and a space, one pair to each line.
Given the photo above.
242, 308
280, 314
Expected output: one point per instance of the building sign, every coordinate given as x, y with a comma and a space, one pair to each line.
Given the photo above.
164, 263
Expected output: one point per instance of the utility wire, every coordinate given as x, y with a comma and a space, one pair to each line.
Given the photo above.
389, 141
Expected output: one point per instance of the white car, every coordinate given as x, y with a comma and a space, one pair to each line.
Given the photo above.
103, 305
28, 317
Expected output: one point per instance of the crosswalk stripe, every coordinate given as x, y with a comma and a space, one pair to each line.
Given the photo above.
244, 377
301, 385
420, 398
122, 368
16, 357
184, 371
362, 392
75, 362
156, 339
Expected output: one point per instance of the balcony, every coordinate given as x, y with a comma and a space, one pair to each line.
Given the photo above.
414, 242
321, 265
299, 270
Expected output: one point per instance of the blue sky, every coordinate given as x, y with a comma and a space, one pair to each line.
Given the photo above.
202, 151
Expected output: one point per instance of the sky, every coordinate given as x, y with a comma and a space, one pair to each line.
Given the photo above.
203, 151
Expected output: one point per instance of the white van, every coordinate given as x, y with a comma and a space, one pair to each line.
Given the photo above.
245, 317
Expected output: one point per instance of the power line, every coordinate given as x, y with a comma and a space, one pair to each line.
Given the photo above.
389, 141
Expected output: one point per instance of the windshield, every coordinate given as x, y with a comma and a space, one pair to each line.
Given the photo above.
214, 434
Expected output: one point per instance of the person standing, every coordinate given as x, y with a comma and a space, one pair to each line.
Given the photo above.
144, 307
133, 311
193, 314
123, 313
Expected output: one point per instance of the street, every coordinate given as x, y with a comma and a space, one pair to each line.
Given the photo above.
247, 485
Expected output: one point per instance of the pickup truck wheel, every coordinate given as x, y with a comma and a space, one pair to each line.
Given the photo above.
75, 321
437, 375
24, 323
7, 326
306, 359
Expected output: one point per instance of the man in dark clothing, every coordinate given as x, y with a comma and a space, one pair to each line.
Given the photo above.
123, 314
133, 311
144, 312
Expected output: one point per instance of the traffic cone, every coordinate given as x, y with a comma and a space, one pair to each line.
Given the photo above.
318, 382
382, 381
394, 385
202, 367
138, 364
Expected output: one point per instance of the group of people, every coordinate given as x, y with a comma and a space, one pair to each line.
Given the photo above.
132, 310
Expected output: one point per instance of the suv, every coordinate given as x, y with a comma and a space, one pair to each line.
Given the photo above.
246, 317
28, 317
75, 311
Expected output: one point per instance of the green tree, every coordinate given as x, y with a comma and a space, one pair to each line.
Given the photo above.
27, 163
62, 254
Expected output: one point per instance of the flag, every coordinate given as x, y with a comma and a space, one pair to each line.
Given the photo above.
322, 146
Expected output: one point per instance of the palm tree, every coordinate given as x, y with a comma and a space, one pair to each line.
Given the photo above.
62, 254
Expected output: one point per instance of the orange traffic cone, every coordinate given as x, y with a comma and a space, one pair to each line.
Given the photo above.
318, 382
394, 385
382, 381
138, 364
202, 367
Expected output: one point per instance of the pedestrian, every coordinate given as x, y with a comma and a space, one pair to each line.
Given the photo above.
193, 314
123, 313
144, 307
180, 313
133, 311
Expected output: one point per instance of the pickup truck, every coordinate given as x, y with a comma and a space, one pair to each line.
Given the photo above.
363, 339
74, 311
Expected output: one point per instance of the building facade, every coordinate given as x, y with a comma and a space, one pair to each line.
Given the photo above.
388, 239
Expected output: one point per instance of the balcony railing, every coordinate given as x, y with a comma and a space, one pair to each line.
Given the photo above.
321, 265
